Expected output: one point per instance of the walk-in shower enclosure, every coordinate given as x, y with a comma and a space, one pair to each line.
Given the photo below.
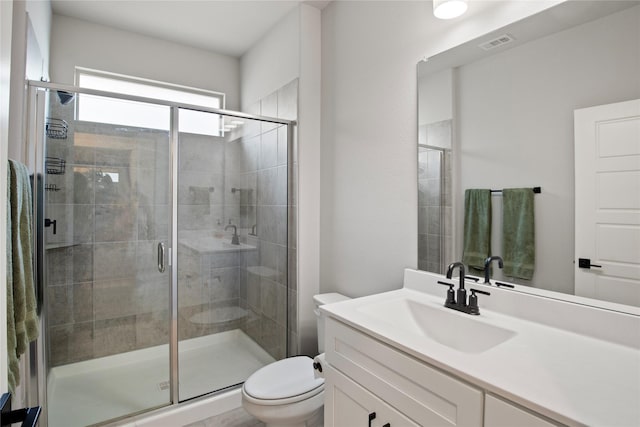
163, 250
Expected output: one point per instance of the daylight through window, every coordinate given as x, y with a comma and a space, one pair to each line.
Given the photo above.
144, 115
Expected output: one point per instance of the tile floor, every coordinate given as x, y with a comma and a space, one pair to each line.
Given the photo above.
236, 418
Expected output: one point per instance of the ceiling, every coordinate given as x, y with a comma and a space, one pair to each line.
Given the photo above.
558, 18
229, 27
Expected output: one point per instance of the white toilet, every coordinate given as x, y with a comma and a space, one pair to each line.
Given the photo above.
286, 392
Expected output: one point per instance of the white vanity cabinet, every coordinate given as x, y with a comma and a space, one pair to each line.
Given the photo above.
371, 384
526, 361
347, 404
367, 376
499, 413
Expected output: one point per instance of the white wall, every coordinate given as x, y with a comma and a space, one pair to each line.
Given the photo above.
435, 104
39, 13
369, 132
309, 175
516, 125
435, 97
6, 16
272, 62
80, 43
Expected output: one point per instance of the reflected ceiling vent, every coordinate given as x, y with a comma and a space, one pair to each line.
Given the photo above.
498, 41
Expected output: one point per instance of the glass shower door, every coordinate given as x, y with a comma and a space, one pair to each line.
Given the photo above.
232, 251
107, 216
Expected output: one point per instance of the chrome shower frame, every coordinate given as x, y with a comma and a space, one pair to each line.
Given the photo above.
34, 152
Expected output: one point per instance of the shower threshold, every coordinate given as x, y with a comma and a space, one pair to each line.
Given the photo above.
93, 391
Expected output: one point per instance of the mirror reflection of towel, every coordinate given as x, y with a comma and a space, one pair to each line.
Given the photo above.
477, 227
518, 233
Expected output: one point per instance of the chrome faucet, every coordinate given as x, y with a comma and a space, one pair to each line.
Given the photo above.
234, 239
487, 266
458, 300
253, 230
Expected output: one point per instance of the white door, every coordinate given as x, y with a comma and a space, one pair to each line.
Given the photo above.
607, 217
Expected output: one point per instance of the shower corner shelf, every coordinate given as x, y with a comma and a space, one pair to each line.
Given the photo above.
55, 165
56, 128
51, 187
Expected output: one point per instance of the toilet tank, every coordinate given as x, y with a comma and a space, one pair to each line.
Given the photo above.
319, 300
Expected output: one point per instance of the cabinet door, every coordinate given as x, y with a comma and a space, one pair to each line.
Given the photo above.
419, 391
499, 413
349, 405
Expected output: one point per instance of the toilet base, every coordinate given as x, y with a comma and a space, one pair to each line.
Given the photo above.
306, 413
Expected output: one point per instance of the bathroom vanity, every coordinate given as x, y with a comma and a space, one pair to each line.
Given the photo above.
401, 358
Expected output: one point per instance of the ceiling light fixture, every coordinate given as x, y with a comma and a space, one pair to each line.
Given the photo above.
449, 9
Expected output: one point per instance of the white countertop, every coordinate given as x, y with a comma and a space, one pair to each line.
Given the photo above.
572, 378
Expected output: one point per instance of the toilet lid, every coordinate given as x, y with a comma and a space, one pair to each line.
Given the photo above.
283, 379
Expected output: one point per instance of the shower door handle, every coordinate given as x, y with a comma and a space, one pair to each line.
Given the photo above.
161, 266
48, 223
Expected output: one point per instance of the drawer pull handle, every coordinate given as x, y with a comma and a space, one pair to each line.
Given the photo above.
387, 425
372, 416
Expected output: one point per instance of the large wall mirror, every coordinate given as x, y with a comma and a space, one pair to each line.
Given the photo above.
498, 113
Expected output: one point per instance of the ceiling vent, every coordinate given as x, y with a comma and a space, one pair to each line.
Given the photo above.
498, 41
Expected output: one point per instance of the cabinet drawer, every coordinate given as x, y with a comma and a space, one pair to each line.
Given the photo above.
499, 413
349, 405
421, 392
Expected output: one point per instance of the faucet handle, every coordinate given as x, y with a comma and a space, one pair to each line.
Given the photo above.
451, 295
506, 285
473, 301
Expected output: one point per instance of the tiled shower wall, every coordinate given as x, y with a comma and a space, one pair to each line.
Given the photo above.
261, 158
435, 241
104, 292
208, 281
251, 193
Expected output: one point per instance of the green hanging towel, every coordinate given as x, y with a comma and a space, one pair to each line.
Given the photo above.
22, 318
518, 233
477, 228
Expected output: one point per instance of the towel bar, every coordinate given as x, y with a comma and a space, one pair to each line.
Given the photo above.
536, 190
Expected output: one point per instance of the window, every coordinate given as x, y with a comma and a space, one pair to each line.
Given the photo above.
139, 114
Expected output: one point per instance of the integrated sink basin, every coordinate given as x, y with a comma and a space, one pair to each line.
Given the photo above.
453, 329
206, 244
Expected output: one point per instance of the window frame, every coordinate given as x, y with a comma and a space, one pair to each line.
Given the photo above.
82, 71
148, 82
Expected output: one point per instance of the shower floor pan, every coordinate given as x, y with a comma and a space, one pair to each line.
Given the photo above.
89, 392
